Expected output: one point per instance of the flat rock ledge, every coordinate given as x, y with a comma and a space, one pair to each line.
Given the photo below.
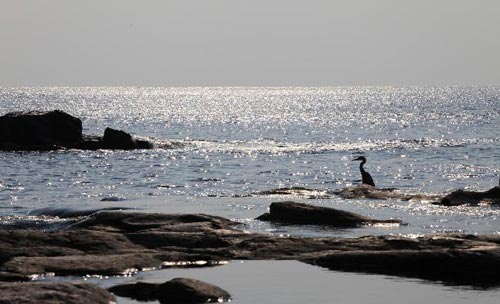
178, 290
117, 243
42, 292
303, 214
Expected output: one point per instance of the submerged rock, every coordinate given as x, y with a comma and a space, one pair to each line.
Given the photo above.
178, 290
461, 197
53, 292
54, 130
367, 191
294, 191
303, 214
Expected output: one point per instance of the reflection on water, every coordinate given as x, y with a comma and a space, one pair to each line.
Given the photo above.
286, 282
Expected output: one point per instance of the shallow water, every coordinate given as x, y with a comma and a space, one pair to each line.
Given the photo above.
281, 282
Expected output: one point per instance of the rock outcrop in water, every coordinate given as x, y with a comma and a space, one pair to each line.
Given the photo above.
367, 191
39, 130
462, 197
178, 290
117, 243
54, 130
303, 214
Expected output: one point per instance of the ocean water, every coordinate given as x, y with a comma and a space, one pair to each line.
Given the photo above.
214, 146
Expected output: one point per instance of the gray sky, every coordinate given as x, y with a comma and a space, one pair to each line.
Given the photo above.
249, 43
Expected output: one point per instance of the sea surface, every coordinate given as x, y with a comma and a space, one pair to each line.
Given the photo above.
215, 146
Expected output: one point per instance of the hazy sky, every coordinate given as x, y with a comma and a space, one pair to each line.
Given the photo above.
249, 43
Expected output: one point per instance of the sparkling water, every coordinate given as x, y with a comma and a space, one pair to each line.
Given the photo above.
214, 146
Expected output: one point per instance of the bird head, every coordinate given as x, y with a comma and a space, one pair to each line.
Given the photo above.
361, 158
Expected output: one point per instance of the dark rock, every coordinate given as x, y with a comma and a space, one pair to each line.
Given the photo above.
110, 243
108, 264
303, 214
88, 142
143, 144
461, 197
117, 139
54, 130
178, 290
39, 129
457, 267
38, 292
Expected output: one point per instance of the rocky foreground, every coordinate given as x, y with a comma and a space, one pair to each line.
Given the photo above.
117, 243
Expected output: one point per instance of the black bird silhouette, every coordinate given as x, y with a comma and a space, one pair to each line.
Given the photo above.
367, 178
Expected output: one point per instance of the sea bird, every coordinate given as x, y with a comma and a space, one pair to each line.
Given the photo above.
367, 178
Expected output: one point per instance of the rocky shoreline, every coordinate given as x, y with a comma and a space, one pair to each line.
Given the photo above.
121, 242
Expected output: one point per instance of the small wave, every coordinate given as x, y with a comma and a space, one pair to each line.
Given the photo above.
293, 191
277, 147
70, 213
31, 222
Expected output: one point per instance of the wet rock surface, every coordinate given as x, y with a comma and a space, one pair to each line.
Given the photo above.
178, 290
114, 243
303, 214
462, 197
55, 130
45, 293
367, 191
452, 259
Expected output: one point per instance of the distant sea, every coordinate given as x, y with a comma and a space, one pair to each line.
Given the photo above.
214, 146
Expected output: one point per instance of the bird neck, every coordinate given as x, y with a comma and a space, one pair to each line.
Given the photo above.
361, 165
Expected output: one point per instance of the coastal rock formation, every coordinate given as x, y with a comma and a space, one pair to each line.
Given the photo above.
456, 261
303, 214
178, 290
54, 130
117, 243
49, 293
367, 191
461, 197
